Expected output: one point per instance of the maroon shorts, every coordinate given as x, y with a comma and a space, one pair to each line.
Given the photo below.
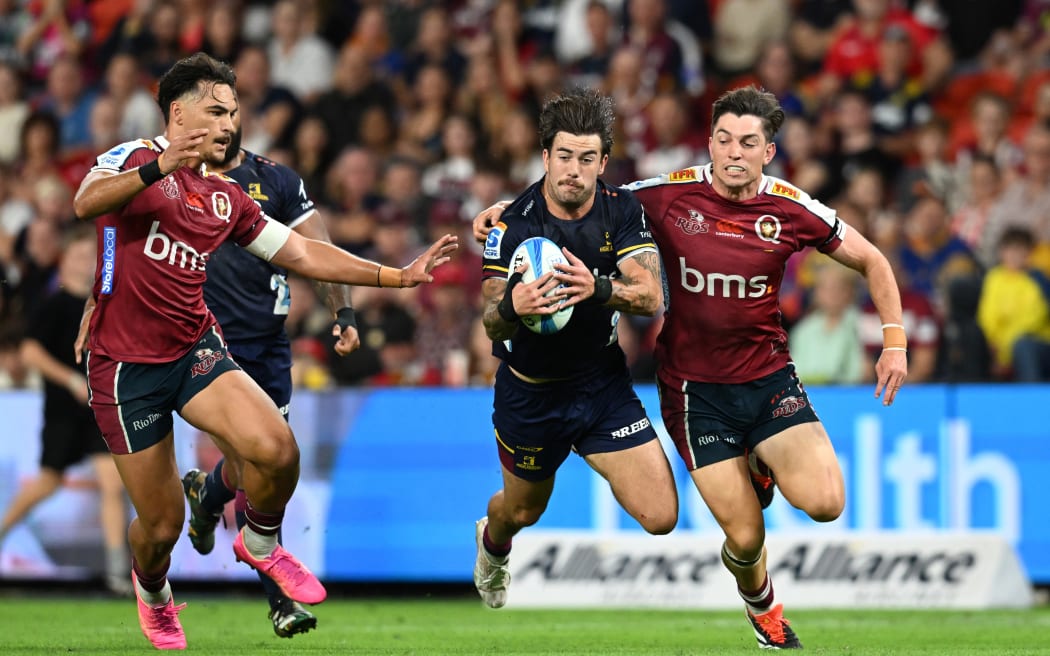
133, 401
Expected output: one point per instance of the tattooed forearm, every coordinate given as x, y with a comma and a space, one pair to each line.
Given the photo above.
640, 290
496, 327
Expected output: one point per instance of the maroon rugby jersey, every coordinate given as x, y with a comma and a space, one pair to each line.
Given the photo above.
152, 255
724, 261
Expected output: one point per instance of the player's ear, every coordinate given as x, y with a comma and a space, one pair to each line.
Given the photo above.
771, 150
601, 167
175, 111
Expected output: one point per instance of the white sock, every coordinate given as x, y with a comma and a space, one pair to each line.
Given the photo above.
154, 599
258, 545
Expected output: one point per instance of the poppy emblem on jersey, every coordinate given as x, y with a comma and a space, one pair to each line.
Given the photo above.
767, 228
220, 204
693, 225
169, 187
206, 359
788, 406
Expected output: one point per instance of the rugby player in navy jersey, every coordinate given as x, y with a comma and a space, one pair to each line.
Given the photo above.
154, 347
570, 390
250, 299
730, 398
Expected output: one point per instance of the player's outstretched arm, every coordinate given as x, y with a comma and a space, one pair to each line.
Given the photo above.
103, 191
321, 261
859, 254
638, 291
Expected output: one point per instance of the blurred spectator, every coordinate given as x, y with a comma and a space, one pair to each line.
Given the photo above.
673, 144
13, 111
151, 32
450, 177
350, 189
15, 214
433, 45
482, 98
402, 187
816, 24
742, 28
857, 144
429, 106
512, 46
629, 90
985, 133
1014, 311
353, 90
379, 134
104, 124
38, 151
311, 156
488, 185
898, 99
978, 195
13, 22
971, 23
267, 112
371, 36
444, 325
1026, 200
775, 72
588, 50
931, 172
301, 61
138, 110
58, 29
395, 241
68, 100
37, 251
799, 157
222, 31
661, 63
14, 373
932, 254
516, 146
387, 356
964, 355
825, 345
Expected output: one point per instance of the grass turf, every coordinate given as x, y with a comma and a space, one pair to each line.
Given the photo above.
224, 625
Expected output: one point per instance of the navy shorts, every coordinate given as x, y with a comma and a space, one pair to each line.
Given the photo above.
269, 363
69, 438
133, 401
538, 424
712, 422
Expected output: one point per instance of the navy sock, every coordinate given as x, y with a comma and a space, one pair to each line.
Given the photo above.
216, 492
273, 593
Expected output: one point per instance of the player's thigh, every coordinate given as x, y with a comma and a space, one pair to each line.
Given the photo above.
725, 487
151, 478
641, 480
235, 411
525, 498
806, 468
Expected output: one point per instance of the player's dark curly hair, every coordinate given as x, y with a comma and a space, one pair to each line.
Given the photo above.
580, 112
750, 101
194, 74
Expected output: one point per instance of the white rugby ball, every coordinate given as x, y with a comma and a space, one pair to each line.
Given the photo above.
541, 254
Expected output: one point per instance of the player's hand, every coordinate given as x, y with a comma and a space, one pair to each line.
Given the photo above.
531, 297
487, 219
78, 387
890, 372
349, 340
576, 279
181, 150
80, 344
419, 270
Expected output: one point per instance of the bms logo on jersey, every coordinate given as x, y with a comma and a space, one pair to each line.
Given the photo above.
492, 243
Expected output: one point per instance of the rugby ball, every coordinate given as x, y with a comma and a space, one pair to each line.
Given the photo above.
541, 254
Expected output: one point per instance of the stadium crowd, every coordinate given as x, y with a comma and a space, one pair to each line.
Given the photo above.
925, 123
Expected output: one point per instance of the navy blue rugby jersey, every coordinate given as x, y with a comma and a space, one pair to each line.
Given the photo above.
614, 229
249, 296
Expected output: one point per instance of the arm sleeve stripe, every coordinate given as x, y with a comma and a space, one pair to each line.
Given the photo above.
270, 240
649, 246
302, 218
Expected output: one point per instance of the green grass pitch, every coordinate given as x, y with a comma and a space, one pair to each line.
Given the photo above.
219, 625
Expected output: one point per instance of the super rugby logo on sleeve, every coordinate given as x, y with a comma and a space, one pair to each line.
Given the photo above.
109, 256
492, 243
114, 158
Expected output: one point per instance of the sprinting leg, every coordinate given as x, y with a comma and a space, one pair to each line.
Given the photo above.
641, 480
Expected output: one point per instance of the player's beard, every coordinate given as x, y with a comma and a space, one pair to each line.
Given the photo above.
233, 148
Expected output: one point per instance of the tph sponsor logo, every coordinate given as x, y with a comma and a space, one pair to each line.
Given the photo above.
639, 425
726, 285
109, 259
161, 247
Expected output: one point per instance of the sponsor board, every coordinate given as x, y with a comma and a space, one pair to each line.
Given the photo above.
878, 570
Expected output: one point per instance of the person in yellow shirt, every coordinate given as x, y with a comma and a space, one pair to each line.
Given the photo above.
1014, 311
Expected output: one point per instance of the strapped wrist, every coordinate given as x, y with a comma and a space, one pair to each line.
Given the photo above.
345, 318
506, 305
894, 337
602, 291
150, 172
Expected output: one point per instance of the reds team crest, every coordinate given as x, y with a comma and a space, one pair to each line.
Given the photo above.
767, 227
221, 206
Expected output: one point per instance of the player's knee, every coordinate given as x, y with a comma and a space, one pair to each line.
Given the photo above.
828, 506
278, 451
526, 516
162, 535
660, 523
